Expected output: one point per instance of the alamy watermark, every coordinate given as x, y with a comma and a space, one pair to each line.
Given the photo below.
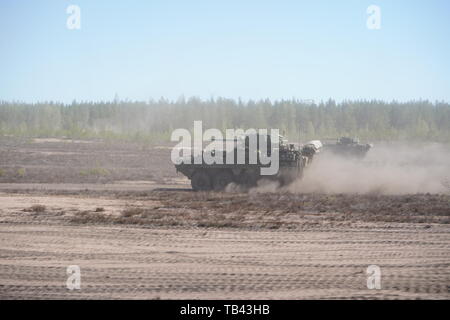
74, 19
374, 277
74, 277
374, 20
254, 147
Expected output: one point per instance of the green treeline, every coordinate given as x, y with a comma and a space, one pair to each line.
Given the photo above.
155, 120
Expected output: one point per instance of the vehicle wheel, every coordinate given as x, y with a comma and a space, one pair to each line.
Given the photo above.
249, 178
221, 180
200, 181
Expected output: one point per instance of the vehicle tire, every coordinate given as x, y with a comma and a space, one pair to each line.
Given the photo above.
221, 180
201, 181
249, 178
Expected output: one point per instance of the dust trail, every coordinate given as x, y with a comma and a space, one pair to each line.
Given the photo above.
263, 186
387, 169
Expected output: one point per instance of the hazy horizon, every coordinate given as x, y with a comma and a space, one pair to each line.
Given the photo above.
206, 99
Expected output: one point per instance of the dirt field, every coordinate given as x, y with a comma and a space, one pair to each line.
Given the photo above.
132, 225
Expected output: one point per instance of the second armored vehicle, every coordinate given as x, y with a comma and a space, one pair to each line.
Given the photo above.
348, 147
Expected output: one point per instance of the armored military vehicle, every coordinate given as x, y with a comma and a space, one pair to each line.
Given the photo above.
292, 161
348, 147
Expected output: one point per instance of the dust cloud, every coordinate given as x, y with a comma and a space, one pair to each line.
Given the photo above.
387, 169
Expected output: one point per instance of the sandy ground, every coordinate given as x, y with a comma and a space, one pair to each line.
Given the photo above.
158, 262
132, 225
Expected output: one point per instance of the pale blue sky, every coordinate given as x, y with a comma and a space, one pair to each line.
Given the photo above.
249, 49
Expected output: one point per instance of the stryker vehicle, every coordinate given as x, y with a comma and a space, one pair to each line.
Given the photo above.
215, 176
348, 147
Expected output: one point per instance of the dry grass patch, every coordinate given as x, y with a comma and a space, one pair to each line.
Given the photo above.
35, 208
